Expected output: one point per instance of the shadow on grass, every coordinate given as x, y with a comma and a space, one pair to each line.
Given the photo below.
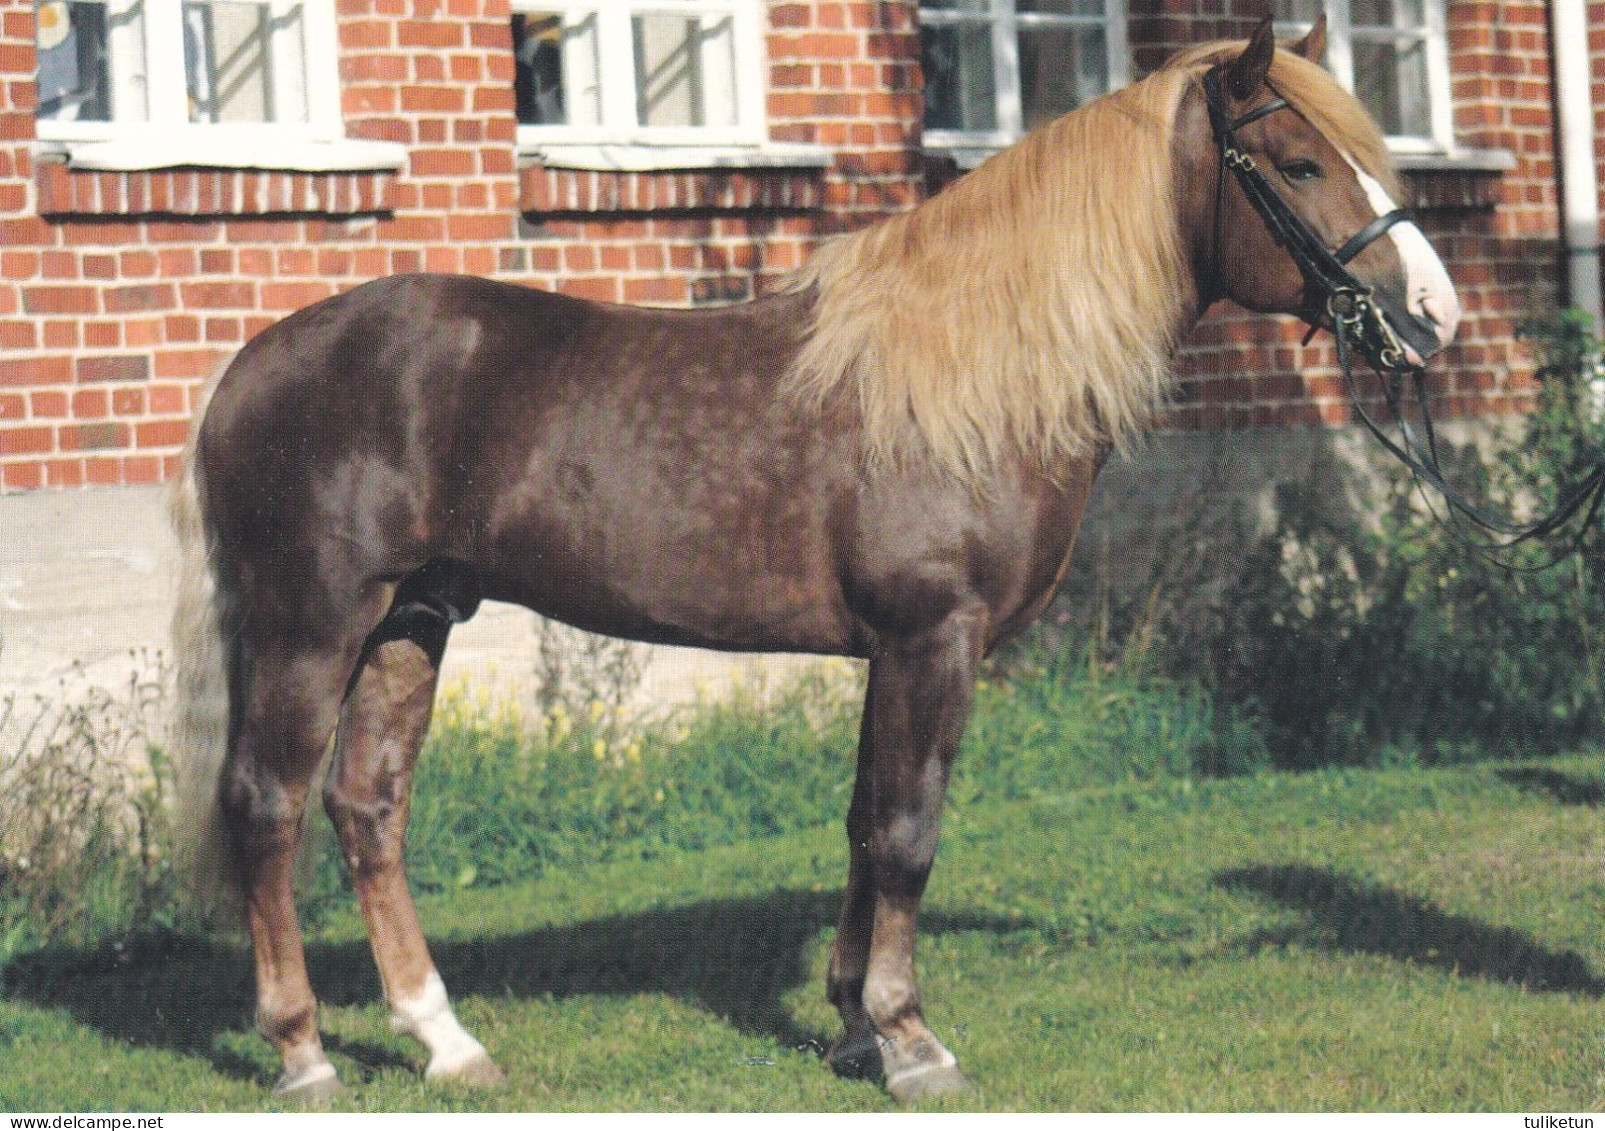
735, 958
1346, 914
1568, 789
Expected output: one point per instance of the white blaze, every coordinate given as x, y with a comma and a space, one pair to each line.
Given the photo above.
1428, 292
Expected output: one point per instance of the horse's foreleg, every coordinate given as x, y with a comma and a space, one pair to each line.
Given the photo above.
368, 796
919, 701
858, 1051
289, 711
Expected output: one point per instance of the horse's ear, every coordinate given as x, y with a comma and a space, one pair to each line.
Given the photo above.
1313, 45
1246, 75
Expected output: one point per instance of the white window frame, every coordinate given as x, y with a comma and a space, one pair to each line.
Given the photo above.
1006, 22
616, 78
155, 71
1341, 36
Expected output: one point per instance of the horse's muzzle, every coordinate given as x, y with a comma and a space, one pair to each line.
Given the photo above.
1422, 334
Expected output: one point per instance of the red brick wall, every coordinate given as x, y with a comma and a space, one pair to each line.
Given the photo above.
119, 292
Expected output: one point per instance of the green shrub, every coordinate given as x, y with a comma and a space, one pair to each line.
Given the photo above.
84, 833
1382, 635
1364, 642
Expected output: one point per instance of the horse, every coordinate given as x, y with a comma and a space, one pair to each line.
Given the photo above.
886, 458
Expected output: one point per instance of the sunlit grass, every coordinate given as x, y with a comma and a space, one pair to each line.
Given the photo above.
1407, 939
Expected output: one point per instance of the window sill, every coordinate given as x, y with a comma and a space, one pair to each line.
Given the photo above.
967, 157
963, 158
1457, 161
341, 155
1459, 179
1462, 178
591, 179
660, 158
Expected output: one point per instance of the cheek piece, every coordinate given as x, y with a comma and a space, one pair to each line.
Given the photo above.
1336, 300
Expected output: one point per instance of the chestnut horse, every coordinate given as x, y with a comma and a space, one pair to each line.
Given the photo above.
888, 459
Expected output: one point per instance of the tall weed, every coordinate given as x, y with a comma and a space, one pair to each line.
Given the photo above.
502, 792
84, 833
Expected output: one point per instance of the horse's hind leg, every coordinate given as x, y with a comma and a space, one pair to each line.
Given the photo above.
368, 796
288, 701
919, 700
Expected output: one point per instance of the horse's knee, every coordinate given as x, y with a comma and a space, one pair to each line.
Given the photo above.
903, 849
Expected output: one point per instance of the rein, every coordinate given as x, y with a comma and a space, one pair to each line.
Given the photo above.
1358, 325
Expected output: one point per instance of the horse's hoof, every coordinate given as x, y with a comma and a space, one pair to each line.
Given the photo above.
309, 1086
856, 1057
478, 1071
918, 1084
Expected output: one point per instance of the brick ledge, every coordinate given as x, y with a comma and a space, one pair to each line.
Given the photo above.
547, 191
64, 191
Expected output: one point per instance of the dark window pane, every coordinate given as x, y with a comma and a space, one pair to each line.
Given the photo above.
1297, 11
538, 70
556, 69
1388, 13
1391, 79
1060, 68
960, 86
1062, 7
74, 82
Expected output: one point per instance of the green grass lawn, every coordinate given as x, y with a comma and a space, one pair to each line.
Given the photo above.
1406, 940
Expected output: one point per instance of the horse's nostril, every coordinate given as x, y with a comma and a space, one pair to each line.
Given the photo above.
1440, 317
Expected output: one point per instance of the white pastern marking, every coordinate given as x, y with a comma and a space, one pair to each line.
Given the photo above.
1429, 293
429, 1018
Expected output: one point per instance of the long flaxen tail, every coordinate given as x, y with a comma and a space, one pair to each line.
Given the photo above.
198, 737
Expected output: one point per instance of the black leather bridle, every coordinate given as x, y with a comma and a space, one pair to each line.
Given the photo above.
1358, 325
1329, 287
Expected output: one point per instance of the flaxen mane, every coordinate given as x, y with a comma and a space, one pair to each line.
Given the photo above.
1035, 304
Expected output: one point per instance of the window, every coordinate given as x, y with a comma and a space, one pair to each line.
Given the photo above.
668, 72
996, 68
1394, 55
251, 70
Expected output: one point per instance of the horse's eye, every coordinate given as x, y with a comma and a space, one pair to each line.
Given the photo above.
1301, 170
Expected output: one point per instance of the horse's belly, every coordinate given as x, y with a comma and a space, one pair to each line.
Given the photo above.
712, 594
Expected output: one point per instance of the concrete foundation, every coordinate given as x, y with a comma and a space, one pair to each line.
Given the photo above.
88, 578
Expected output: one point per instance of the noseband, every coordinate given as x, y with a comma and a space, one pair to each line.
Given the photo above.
1352, 315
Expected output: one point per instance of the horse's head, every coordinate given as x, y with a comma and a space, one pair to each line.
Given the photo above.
1296, 209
